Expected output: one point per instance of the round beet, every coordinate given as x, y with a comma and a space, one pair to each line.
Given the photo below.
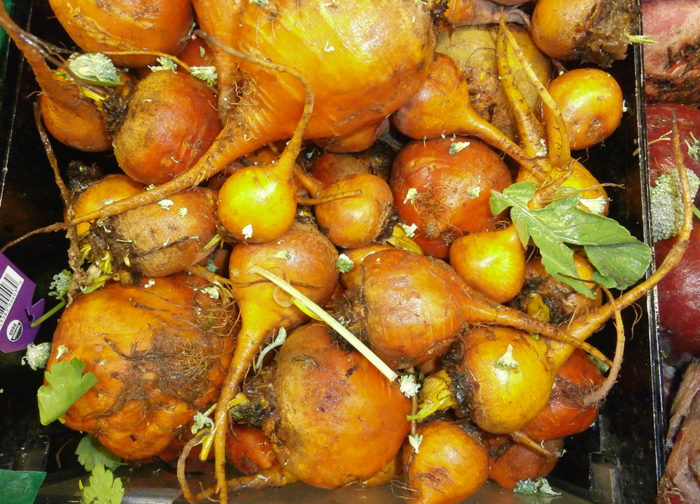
449, 465
443, 186
566, 413
511, 462
679, 291
159, 351
338, 420
170, 122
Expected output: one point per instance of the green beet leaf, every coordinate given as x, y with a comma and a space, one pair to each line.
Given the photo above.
66, 384
619, 258
102, 488
91, 453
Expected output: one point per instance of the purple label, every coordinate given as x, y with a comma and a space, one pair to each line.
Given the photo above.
16, 309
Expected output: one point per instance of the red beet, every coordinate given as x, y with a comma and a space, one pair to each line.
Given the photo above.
658, 121
672, 65
679, 292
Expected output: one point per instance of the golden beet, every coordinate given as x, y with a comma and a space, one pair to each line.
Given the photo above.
159, 351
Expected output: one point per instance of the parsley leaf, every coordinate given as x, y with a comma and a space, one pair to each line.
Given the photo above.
60, 284
103, 487
619, 258
207, 74
539, 486
95, 68
66, 383
91, 453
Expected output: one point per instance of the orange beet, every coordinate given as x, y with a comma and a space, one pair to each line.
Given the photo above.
449, 466
84, 131
126, 25
492, 262
586, 30
355, 221
443, 187
510, 462
159, 352
161, 238
249, 449
590, 101
510, 375
344, 428
257, 203
565, 414
170, 122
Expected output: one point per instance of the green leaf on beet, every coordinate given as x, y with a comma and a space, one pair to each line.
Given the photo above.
102, 488
619, 258
66, 384
91, 453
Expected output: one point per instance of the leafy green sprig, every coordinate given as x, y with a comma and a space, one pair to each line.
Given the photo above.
103, 486
66, 383
619, 258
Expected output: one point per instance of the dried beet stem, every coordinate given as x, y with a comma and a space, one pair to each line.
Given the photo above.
334, 324
523, 439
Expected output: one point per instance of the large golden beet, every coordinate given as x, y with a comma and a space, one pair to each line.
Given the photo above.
159, 350
338, 420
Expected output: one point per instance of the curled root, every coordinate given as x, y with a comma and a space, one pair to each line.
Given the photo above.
274, 476
599, 394
181, 461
